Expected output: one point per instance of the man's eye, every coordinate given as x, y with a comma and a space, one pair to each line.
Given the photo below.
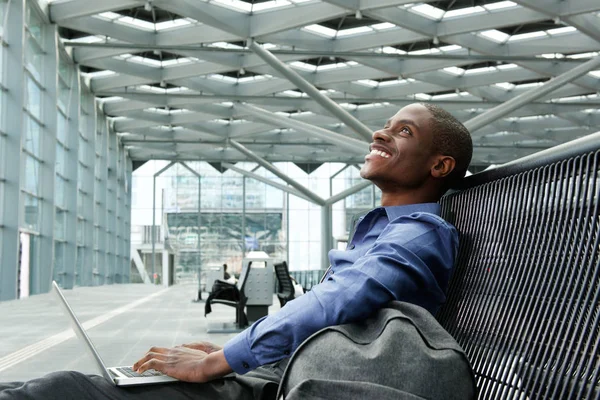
406, 130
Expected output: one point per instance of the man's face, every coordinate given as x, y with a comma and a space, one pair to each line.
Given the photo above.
401, 153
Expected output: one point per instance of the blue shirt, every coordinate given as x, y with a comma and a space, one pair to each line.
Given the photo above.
403, 253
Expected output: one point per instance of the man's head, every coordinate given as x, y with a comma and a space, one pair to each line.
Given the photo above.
418, 154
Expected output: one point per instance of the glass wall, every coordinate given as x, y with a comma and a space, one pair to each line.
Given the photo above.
65, 215
206, 217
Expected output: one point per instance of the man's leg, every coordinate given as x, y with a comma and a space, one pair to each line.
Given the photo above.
66, 385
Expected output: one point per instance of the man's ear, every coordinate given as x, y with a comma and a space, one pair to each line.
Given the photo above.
443, 166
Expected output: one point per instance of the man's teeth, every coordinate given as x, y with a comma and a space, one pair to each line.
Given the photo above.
379, 153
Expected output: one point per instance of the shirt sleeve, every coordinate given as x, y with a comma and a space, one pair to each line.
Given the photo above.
410, 261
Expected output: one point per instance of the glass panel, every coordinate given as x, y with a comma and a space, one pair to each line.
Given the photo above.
83, 150
59, 192
80, 231
63, 95
79, 265
2, 12
61, 159
60, 224
34, 98
34, 57
34, 23
80, 202
59, 259
32, 212
65, 70
61, 128
32, 172
32, 136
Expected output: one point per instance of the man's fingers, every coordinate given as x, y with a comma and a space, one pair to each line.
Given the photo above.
152, 354
153, 363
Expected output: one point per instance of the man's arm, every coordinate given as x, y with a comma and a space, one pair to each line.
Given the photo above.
407, 266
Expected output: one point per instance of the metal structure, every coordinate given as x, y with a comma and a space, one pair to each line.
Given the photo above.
225, 81
180, 77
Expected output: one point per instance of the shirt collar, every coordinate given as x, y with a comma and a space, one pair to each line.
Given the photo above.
394, 212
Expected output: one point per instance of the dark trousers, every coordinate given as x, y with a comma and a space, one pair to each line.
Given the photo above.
261, 383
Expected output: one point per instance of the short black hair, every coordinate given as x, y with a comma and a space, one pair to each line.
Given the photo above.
451, 138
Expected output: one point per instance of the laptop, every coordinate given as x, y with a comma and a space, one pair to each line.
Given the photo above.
119, 376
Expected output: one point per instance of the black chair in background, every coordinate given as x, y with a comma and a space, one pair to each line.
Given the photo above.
285, 291
237, 300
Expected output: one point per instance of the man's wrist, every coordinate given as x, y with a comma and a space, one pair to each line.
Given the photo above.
216, 365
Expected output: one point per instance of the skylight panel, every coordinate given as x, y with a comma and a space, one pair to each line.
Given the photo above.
225, 45
454, 71
394, 82
495, 35
88, 39
425, 51
383, 26
463, 11
479, 70
584, 55
320, 30
564, 29
161, 26
507, 66
595, 73
392, 50
452, 47
422, 96
499, 5
354, 31
234, 4
110, 15
529, 35
99, 74
137, 23
304, 66
367, 82
268, 5
552, 55
291, 93
327, 67
505, 85
428, 11
178, 61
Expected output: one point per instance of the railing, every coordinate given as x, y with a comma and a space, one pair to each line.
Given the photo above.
308, 278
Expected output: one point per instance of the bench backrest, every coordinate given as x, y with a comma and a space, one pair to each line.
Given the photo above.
524, 300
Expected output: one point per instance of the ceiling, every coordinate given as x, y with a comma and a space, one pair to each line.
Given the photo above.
192, 79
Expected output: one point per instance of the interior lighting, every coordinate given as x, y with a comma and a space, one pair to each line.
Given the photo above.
358, 14
163, 84
436, 40
242, 71
148, 6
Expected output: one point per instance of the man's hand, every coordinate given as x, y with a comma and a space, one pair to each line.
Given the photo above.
206, 347
186, 364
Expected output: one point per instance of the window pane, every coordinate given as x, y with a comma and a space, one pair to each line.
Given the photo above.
59, 259
32, 172
34, 57
60, 224
80, 231
59, 192
32, 211
61, 128
34, 23
61, 159
63, 95
32, 136
33, 98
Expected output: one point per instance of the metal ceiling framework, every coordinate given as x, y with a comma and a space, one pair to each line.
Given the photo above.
308, 80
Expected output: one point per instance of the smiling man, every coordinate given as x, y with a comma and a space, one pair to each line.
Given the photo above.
401, 251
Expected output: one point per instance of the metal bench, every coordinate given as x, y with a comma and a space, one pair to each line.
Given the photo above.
524, 300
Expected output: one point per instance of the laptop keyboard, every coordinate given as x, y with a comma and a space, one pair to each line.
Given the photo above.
127, 371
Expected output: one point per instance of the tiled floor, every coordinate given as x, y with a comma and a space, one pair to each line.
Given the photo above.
34, 331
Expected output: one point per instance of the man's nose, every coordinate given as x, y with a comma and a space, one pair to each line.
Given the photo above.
381, 134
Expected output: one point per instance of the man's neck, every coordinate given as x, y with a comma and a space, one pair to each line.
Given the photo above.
402, 199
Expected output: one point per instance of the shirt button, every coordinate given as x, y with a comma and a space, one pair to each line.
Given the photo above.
245, 365
351, 247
